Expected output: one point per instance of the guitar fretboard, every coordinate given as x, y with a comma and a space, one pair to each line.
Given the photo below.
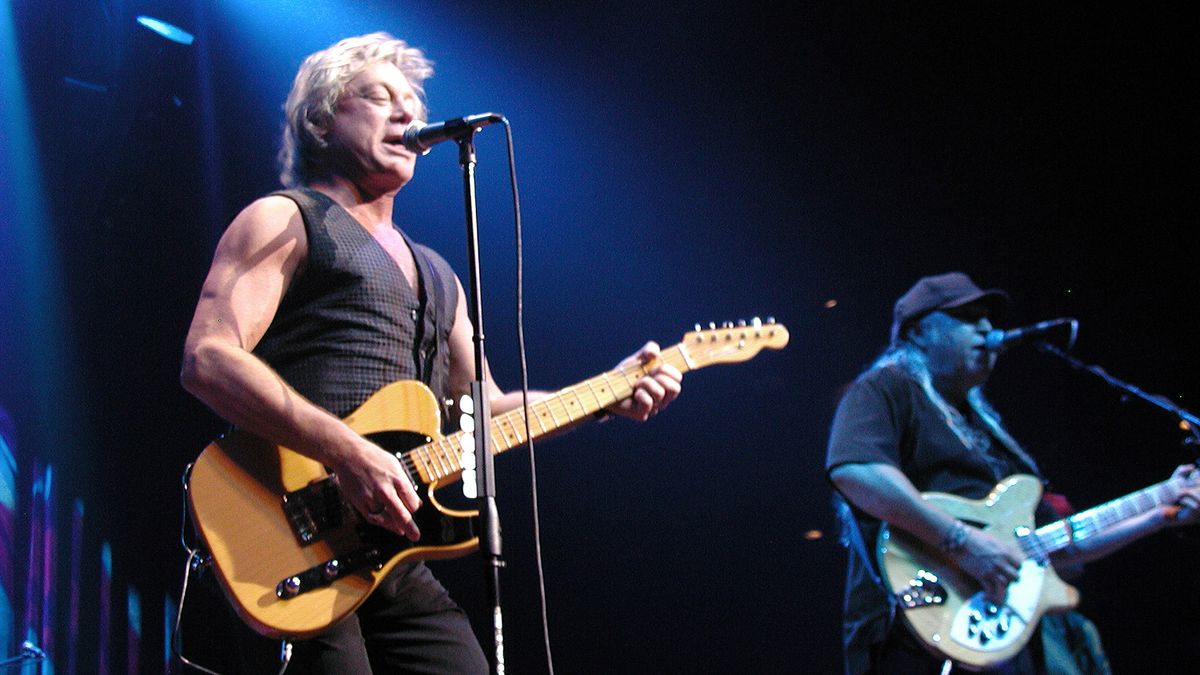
1058, 535
441, 459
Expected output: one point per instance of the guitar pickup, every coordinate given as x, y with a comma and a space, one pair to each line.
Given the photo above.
314, 509
319, 576
924, 591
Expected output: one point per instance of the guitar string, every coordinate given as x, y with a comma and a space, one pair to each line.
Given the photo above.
437, 460
440, 461
1055, 536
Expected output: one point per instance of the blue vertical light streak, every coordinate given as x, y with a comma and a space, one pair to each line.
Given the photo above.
30, 622
31, 292
49, 566
105, 625
8, 539
169, 610
75, 588
134, 636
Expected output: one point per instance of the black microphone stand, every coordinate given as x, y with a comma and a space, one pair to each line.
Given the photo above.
1189, 420
489, 540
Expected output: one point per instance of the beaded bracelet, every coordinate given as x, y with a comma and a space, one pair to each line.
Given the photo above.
955, 539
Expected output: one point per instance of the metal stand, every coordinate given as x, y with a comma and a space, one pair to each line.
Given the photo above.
1192, 423
489, 543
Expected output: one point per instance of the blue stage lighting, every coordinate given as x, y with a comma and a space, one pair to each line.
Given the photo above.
169, 31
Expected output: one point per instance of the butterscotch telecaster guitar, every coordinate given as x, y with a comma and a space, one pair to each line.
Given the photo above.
946, 609
294, 558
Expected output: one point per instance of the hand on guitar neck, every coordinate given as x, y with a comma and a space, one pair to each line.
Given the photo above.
1186, 510
653, 391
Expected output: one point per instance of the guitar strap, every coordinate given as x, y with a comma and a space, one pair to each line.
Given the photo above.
998, 432
431, 290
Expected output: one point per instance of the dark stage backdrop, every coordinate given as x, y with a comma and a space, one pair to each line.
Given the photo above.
679, 163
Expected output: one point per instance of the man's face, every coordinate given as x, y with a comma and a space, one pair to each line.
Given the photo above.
368, 123
953, 341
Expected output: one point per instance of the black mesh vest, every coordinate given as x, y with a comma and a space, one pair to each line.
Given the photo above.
349, 323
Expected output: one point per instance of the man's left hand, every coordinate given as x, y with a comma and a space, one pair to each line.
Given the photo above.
1186, 510
654, 391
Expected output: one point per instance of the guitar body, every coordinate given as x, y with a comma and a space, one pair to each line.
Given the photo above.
945, 608
236, 492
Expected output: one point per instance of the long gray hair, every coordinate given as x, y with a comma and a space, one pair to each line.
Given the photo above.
907, 357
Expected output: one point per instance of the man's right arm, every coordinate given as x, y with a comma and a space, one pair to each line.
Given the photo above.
255, 261
884, 492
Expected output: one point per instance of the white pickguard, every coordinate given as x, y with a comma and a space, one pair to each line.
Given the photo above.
986, 627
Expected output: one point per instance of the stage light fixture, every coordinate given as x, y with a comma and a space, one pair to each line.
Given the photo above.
169, 31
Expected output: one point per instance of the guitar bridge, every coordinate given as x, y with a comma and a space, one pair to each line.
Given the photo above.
924, 591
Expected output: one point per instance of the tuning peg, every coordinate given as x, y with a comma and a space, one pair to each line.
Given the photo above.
727, 324
698, 328
771, 320
756, 322
741, 323
712, 325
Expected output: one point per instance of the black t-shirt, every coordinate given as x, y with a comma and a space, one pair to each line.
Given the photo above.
885, 417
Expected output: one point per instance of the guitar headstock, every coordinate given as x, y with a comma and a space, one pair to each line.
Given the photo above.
732, 343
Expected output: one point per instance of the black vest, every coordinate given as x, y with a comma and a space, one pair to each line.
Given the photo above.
349, 323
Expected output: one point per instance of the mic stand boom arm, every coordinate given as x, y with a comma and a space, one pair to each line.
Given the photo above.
1191, 422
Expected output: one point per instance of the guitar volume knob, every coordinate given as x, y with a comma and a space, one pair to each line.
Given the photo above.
332, 570
288, 588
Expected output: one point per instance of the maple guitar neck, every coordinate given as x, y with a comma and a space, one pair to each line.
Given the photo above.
439, 460
1060, 534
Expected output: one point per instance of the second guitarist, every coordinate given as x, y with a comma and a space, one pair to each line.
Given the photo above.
917, 421
315, 300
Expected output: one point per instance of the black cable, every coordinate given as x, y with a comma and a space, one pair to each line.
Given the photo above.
196, 560
537, 527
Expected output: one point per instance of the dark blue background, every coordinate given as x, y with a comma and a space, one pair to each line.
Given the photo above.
678, 164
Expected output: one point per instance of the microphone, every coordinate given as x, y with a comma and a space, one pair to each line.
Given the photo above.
419, 137
999, 340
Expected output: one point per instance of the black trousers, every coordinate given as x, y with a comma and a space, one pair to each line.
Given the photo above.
408, 625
